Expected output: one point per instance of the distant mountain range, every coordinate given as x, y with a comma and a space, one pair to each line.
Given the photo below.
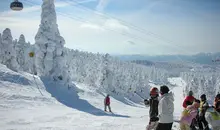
200, 58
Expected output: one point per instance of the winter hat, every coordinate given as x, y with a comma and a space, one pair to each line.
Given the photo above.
203, 97
164, 89
190, 93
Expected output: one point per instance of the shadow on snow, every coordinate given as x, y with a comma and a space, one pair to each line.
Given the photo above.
70, 98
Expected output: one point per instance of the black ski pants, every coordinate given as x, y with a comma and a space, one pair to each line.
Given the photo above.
203, 122
164, 126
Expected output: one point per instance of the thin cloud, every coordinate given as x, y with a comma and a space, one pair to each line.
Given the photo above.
115, 24
61, 4
111, 24
102, 4
91, 26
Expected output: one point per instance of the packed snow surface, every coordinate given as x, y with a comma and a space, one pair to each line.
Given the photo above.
28, 102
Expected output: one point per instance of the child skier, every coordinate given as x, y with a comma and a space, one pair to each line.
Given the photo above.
188, 115
153, 112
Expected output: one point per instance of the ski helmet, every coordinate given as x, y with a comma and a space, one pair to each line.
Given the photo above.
154, 91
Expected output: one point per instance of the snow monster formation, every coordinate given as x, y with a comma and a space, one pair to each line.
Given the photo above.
49, 45
20, 47
7, 50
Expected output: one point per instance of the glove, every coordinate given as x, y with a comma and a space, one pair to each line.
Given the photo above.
146, 102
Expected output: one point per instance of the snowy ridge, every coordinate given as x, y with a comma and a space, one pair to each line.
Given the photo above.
174, 68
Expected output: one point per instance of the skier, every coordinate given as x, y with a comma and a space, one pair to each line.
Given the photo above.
107, 103
189, 99
213, 116
153, 112
188, 115
217, 98
165, 109
203, 107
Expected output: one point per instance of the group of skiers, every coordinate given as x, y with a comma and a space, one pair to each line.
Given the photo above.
199, 115
161, 109
196, 114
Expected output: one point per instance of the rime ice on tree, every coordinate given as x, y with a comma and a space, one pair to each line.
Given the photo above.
8, 54
49, 44
20, 48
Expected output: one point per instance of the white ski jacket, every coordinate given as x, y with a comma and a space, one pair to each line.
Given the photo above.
166, 108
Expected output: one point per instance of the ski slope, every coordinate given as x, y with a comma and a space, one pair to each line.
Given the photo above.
178, 96
28, 102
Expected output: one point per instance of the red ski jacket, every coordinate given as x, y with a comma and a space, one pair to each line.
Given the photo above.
188, 99
107, 101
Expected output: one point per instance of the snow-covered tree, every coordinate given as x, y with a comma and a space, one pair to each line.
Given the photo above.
8, 54
112, 75
202, 82
20, 47
49, 44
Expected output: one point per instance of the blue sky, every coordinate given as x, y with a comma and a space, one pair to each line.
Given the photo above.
125, 26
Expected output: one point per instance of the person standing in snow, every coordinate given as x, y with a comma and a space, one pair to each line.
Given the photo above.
188, 115
203, 107
165, 109
189, 99
213, 116
107, 103
153, 112
217, 98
